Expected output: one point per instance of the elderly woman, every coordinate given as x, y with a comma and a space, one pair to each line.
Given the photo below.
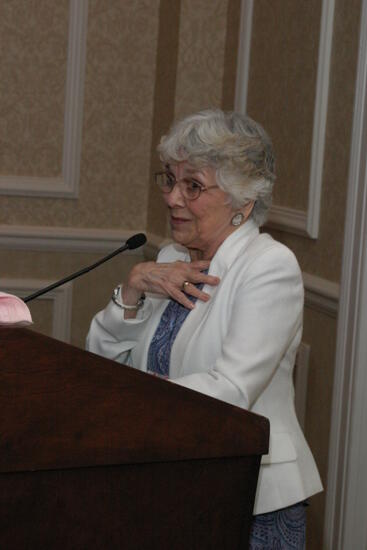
220, 311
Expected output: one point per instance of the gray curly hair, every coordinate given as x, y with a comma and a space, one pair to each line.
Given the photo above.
236, 146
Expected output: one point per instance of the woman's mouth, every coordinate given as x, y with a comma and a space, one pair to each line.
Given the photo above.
175, 220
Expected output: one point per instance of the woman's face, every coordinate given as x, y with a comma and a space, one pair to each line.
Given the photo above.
204, 223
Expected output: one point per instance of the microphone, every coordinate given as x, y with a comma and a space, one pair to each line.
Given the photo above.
133, 242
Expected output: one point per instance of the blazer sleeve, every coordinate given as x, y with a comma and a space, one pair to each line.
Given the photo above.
114, 337
265, 317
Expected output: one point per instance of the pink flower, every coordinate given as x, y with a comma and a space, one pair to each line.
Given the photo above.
13, 311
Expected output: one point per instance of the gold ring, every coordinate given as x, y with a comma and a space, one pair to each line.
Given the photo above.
185, 285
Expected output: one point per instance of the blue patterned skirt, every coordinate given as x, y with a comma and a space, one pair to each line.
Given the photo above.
283, 529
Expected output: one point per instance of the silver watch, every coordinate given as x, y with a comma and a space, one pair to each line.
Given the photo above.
116, 298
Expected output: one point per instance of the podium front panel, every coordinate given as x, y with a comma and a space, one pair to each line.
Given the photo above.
199, 504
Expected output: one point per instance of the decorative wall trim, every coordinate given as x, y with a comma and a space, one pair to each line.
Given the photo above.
63, 239
243, 55
320, 116
66, 186
288, 219
321, 294
301, 381
61, 300
285, 219
346, 497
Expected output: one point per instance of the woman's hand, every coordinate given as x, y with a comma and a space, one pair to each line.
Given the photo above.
168, 279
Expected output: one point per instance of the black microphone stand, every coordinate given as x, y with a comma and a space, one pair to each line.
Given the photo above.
133, 242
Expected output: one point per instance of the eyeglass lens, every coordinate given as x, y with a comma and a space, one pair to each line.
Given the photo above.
189, 188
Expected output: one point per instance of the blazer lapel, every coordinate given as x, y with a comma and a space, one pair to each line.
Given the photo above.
227, 253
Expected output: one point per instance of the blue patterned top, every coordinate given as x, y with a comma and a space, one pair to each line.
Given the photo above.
170, 323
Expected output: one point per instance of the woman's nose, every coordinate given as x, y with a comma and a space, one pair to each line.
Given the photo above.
175, 197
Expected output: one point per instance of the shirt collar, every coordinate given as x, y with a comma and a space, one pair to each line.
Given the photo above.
233, 247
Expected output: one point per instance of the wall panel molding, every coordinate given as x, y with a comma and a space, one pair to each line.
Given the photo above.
63, 239
321, 294
243, 55
61, 299
301, 381
320, 116
287, 219
67, 185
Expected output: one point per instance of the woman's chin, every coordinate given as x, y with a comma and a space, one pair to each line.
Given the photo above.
180, 236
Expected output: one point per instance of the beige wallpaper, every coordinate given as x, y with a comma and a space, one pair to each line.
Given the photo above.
230, 54
164, 102
33, 42
282, 86
117, 127
201, 55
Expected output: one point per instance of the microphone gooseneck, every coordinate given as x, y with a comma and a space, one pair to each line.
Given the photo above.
133, 242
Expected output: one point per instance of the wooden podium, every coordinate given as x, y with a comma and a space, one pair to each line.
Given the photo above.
96, 455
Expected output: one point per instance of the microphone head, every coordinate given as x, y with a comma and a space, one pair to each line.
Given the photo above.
136, 240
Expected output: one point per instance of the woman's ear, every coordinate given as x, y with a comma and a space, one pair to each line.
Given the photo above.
247, 209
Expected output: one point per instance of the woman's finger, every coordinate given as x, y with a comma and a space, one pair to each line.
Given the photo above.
199, 264
192, 290
168, 279
199, 277
181, 297
211, 280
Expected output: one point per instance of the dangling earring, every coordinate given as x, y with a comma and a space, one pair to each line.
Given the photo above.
237, 219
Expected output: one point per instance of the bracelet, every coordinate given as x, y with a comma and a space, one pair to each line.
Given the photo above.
116, 298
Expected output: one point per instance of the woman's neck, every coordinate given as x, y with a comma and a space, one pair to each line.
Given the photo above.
209, 252
196, 254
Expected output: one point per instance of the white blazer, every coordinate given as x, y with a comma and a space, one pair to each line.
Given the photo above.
239, 347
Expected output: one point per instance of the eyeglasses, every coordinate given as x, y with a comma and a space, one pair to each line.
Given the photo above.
190, 188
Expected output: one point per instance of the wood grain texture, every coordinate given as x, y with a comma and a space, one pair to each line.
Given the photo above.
98, 455
64, 407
